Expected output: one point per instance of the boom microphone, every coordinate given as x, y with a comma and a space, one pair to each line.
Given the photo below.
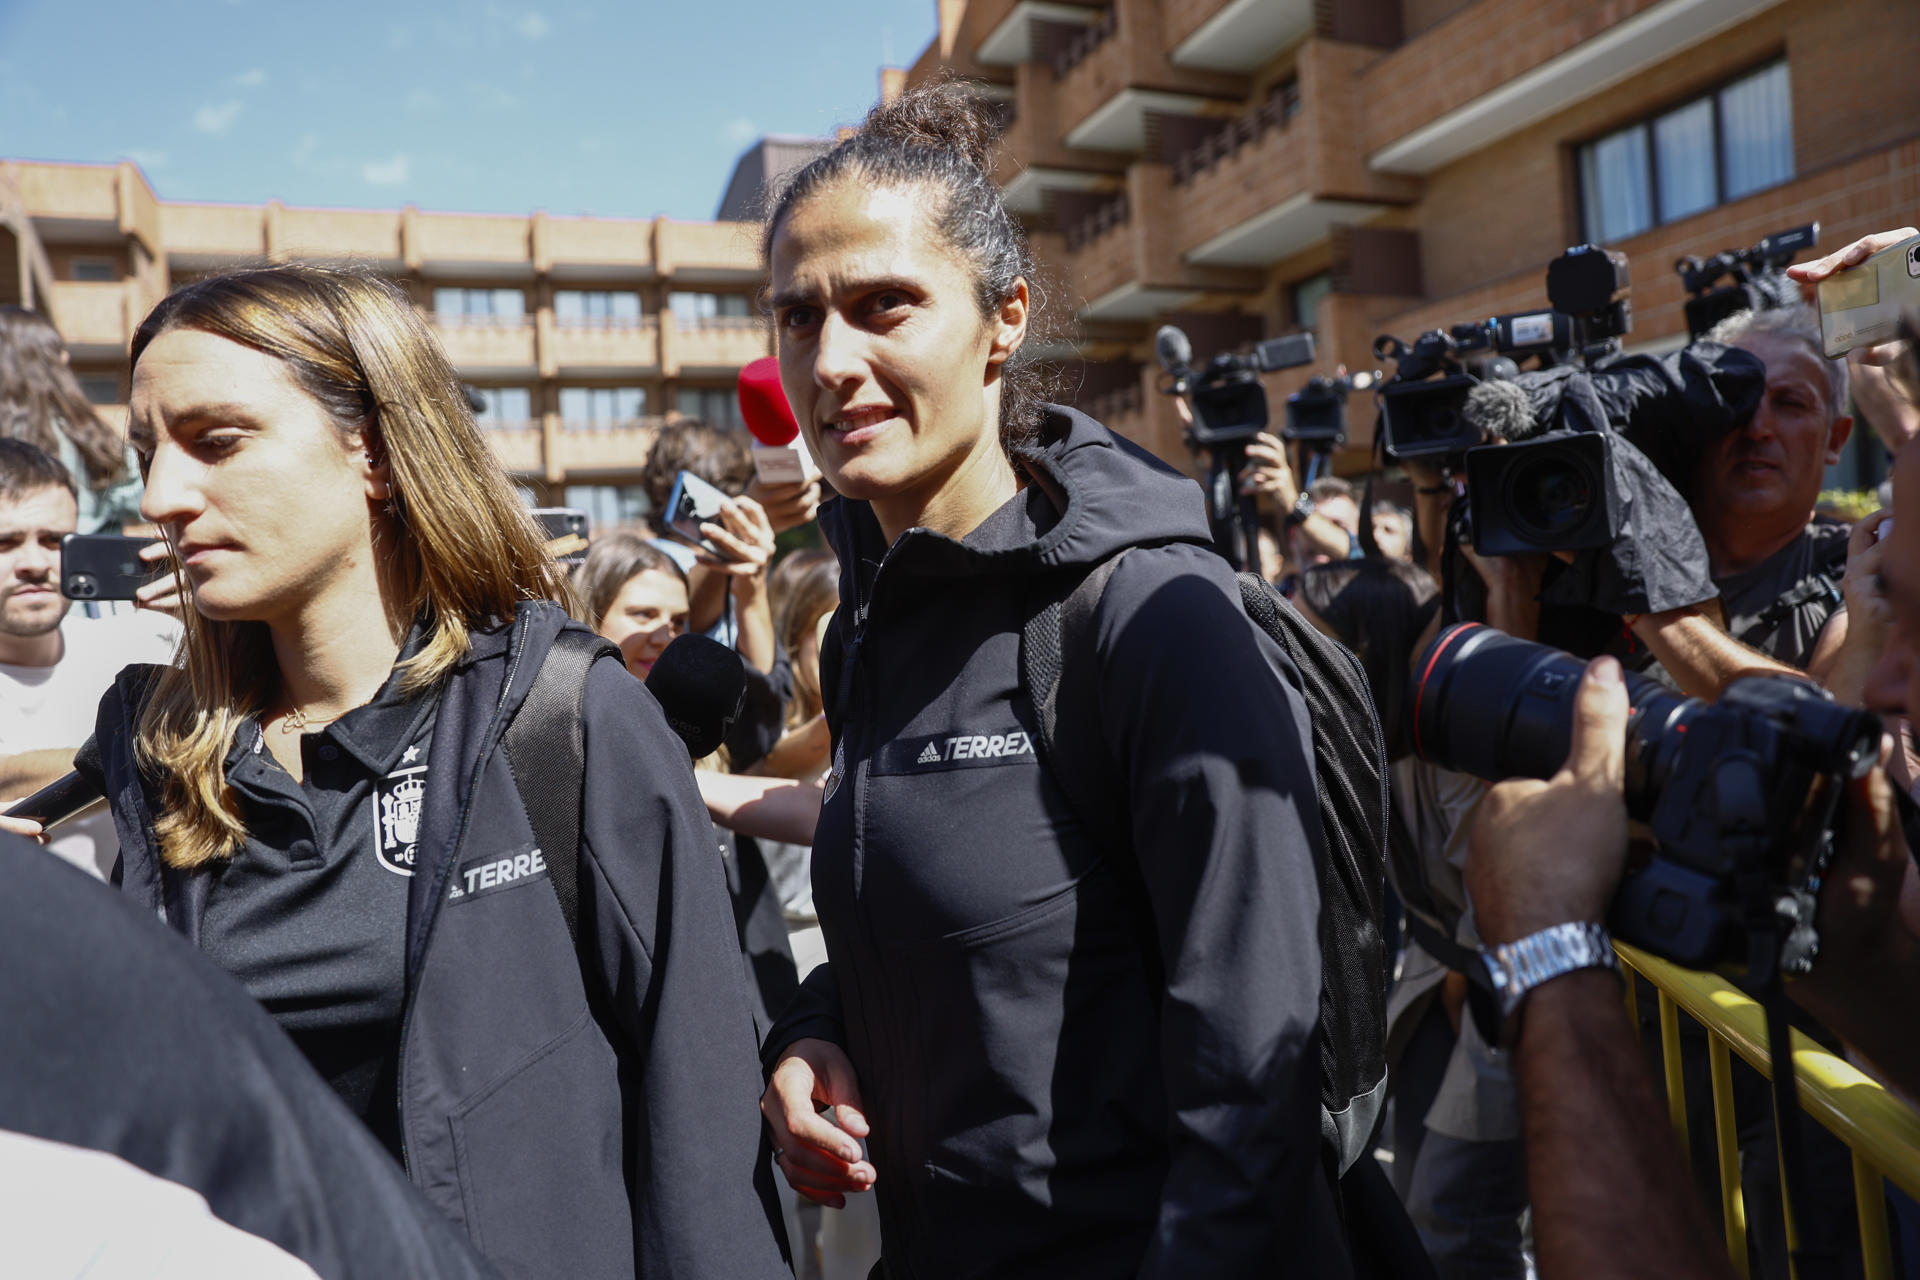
763, 403
701, 685
1502, 410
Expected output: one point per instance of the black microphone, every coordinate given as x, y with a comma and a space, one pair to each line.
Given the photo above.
1173, 351
63, 798
701, 685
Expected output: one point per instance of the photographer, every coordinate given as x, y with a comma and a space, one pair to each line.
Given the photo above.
1322, 523
1544, 854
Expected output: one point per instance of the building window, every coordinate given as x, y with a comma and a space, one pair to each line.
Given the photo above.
608, 505
587, 408
596, 308
693, 310
719, 406
505, 307
508, 408
93, 270
1719, 147
100, 388
1308, 294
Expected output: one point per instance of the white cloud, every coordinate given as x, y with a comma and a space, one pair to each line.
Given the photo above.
740, 130
390, 172
251, 79
534, 25
216, 119
148, 158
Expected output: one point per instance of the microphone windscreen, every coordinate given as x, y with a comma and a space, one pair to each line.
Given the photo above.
1501, 409
1171, 348
700, 684
763, 404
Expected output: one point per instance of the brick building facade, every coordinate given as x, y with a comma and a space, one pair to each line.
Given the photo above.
1249, 168
581, 334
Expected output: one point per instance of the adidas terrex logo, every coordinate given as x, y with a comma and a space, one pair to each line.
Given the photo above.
975, 746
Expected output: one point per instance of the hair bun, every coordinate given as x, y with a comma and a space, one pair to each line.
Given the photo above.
944, 116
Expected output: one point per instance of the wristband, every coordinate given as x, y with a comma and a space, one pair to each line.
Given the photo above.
1516, 968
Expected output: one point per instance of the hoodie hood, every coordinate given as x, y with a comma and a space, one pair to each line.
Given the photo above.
1089, 494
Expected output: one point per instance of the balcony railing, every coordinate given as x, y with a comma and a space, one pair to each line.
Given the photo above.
1074, 51
1277, 112
1105, 217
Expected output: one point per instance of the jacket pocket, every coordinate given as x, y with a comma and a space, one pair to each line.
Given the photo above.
539, 1157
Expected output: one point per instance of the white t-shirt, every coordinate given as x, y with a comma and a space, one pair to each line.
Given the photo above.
43, 708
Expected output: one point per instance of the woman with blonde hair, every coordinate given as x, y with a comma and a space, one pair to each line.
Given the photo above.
41, 403
319, 798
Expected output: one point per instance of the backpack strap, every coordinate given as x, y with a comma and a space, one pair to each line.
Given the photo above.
1055, 627
546, 750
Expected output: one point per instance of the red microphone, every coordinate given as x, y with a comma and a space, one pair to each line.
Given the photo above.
764, 405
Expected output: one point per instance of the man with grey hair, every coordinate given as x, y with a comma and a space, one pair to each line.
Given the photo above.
1778, 568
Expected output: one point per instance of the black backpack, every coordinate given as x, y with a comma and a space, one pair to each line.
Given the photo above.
1350, 777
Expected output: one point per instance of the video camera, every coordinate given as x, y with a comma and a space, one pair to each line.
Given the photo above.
1317, 413
1740, 795
1229, 410
1758, 278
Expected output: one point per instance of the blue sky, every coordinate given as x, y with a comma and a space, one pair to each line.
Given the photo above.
619, 109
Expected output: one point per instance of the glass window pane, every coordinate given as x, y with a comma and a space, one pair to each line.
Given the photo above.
626, 307
449, 302
513, 404
509, 304
1683, 151
573, 405
567, 306
1307, 296
733, 304
1756, 131
1614, 185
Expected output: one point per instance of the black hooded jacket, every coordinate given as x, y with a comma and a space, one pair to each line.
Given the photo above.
589, 1114
1052, 1091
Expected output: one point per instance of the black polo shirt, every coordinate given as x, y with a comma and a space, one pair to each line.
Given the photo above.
310, 914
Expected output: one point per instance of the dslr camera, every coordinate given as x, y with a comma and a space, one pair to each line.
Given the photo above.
1740, 795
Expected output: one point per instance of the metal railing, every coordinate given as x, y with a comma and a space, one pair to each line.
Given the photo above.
1881, 1131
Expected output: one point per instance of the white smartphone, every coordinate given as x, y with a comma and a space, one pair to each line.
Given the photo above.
1861, 306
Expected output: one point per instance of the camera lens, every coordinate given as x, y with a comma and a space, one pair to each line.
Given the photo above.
1496, 707
1550, 494
82, 587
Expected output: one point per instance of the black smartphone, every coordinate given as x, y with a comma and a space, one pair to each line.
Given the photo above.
565, 529
104, 566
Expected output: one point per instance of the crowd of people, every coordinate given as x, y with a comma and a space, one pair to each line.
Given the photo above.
870, 989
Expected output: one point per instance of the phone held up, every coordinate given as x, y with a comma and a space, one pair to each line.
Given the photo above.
693, 503
105, 566
1861, 306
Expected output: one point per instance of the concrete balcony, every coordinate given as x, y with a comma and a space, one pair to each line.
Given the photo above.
1496, 67
708, 252
361, 235
1116, 72
1232, 35
201, 237
1006, 33
631, 350
1030, 160
598, 450
97, 320
1122, 259
1273, 182
720, 344
488, 350
598, 249
472, 246
519, 446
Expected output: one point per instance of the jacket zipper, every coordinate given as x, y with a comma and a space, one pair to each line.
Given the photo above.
517, 649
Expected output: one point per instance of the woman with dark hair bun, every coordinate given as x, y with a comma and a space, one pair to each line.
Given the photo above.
1070, 1055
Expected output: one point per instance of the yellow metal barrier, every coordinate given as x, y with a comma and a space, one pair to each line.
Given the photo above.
1882, 1131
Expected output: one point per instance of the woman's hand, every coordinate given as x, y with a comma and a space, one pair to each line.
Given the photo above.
162, 595
821, 1160
745, 538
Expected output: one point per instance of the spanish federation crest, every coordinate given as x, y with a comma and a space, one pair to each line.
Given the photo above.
396, 817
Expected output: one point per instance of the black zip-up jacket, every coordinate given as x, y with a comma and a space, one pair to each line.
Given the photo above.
1040, 1104
605, 1127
